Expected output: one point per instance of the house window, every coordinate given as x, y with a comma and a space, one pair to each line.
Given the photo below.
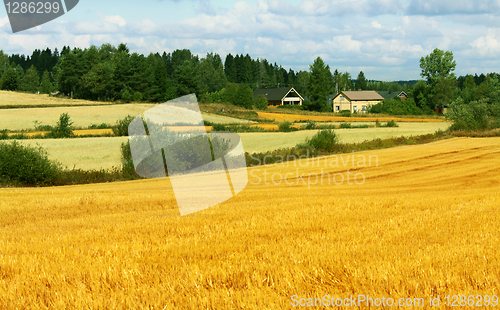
337, 108
342, 98
363, 108
355, 108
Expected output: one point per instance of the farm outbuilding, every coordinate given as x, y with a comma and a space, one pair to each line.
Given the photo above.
391, 94
280, 96
355, 101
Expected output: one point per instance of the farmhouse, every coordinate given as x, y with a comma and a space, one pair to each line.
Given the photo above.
279, 96
391, 94
355, 101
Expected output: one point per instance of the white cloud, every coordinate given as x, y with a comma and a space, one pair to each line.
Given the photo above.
445, 7
4, 21
376, 24
488, 45
116, 19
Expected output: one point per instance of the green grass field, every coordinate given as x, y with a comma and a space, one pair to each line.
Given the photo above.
261, 142
82, 153
97, 153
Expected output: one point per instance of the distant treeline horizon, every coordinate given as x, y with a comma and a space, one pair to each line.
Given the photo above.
109, 73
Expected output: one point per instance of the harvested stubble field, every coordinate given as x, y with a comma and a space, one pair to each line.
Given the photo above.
282, 117
424, 222
11, 98
84, 116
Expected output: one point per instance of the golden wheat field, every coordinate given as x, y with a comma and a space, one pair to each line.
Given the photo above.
84, 116
407, 222
281, 117
11, 98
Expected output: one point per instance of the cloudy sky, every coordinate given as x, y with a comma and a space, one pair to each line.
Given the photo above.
383, 38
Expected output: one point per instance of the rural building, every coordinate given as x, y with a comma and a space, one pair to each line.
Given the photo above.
279, 96
402, 95
391, 94
355, 101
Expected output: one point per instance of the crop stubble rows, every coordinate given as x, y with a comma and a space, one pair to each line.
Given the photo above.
424, 222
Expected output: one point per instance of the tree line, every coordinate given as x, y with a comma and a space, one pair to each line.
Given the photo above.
109, 73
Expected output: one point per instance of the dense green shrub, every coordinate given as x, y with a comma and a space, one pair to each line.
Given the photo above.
292, 107
396, 106
310, 125
286, 127
121, 127
3, 134
469, 116
391, 123
345, 125
261, 102
25, 165
345, 113
101, 126
219, 127
180, 155
63, 128
325, 140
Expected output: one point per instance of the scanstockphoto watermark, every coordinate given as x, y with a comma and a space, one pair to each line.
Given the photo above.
333, 169
368, 301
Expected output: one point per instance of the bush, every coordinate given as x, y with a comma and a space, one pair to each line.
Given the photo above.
396, 106
471, 116
345, 125
292, 107
286, 127
3, 134
121, 128
24, 165
325, 140
310, 125
345, 113
261, 102
219, 127
63, 128
391, 123
102, 126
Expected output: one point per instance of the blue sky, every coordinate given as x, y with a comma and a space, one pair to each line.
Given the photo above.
383, 38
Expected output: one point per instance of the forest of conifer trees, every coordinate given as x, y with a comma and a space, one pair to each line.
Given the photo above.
109, 73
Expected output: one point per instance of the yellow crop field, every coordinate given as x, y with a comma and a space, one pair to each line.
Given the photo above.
11, 98
84, 116
281, 117
409, 222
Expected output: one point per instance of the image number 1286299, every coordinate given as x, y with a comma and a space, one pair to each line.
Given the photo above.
24, 15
